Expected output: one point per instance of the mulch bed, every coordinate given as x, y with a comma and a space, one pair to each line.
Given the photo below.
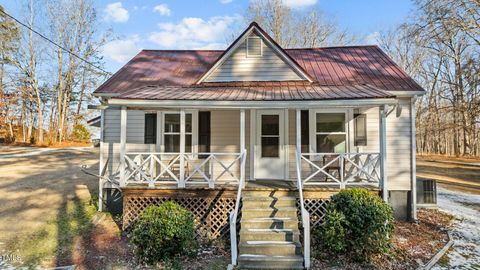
412, 242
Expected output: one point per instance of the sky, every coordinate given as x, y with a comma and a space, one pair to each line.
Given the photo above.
207, 24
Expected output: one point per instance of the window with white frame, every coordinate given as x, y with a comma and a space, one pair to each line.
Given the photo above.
171, 132
254, 46
330, 132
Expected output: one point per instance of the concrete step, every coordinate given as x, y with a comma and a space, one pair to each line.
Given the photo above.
264, 212
269, 223
273, 248
270, 193
270, 235
258, 202
252, 261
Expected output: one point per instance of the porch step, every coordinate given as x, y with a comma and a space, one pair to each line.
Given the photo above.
264, 193
274, 248
253, 202
254, 261
270, 234
269, 223
290, 212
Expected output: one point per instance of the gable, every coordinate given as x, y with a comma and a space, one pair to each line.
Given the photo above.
255, 64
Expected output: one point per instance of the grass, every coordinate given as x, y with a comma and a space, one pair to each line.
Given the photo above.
53, 243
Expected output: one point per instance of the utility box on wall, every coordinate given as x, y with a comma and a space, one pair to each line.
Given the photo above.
426, 192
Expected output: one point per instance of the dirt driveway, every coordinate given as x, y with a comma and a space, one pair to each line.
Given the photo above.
35, 183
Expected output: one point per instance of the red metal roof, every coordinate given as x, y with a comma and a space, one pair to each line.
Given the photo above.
261, 91
352, 67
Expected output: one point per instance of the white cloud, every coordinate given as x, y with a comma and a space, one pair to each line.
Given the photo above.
225, 1
122, 50
373, 38
299, 3
116, 13
195, 33
162, 9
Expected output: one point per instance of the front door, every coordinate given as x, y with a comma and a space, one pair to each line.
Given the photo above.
270, 145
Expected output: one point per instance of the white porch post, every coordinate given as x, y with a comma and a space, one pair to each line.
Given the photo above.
298, 138
242, 146
102, 166
383, 150
181, 182
413, 158
123, 140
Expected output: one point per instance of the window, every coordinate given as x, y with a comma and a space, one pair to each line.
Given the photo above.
203, 133
270, 137
254, 46
171, 132
330, 134
150, 128
360, 126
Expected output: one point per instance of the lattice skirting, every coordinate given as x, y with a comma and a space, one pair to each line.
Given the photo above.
317, 209
211, 213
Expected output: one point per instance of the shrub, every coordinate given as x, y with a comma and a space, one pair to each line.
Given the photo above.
80, 133
162, 232
358, 223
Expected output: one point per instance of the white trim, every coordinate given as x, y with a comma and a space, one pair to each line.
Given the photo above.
105, 94
261, 47
403, 93
159, 146
242, 38
413, 158
383, 151
307, 104
123, 141
193, 133
286, 144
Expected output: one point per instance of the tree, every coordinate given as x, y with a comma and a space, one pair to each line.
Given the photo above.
292, 28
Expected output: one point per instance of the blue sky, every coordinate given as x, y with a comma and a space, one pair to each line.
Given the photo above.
181, 24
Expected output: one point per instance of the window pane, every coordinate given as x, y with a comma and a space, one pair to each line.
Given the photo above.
360, 138
188, 122
334, 143
330, 122
270, 125
172, 122
172, 143
270, 147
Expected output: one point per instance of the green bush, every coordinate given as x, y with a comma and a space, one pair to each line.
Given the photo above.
80, 133
358, 223
162, 232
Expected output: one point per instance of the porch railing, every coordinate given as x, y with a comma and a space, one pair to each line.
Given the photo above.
182, 168
340, 169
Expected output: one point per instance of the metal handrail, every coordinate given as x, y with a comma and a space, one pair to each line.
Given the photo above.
305, 216
234, 213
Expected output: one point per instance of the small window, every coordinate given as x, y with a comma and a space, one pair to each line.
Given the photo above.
254, 47
270, 137
330, 133
150, 128
360, 125
171, 132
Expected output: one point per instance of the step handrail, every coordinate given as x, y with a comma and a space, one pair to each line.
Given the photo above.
234, 213
304, 215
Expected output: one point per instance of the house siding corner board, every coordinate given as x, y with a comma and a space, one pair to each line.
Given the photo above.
240, 67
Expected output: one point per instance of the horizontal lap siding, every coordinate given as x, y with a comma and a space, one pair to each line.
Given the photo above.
135, 126
239, 67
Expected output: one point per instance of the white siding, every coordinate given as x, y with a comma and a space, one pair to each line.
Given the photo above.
239, 67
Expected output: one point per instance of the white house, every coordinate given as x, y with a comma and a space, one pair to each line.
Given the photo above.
239, 136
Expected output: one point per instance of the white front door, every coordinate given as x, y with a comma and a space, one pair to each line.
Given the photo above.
270, 158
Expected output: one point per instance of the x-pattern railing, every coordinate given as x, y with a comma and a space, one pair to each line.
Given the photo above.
341, 168
153, 168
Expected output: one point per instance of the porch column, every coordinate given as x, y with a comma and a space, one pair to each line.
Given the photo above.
298, 142
123, 140
413, 158
242, 146
383, 150
181, 180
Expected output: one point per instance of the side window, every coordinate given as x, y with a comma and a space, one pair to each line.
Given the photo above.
150, 128
360, 128
203, 133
